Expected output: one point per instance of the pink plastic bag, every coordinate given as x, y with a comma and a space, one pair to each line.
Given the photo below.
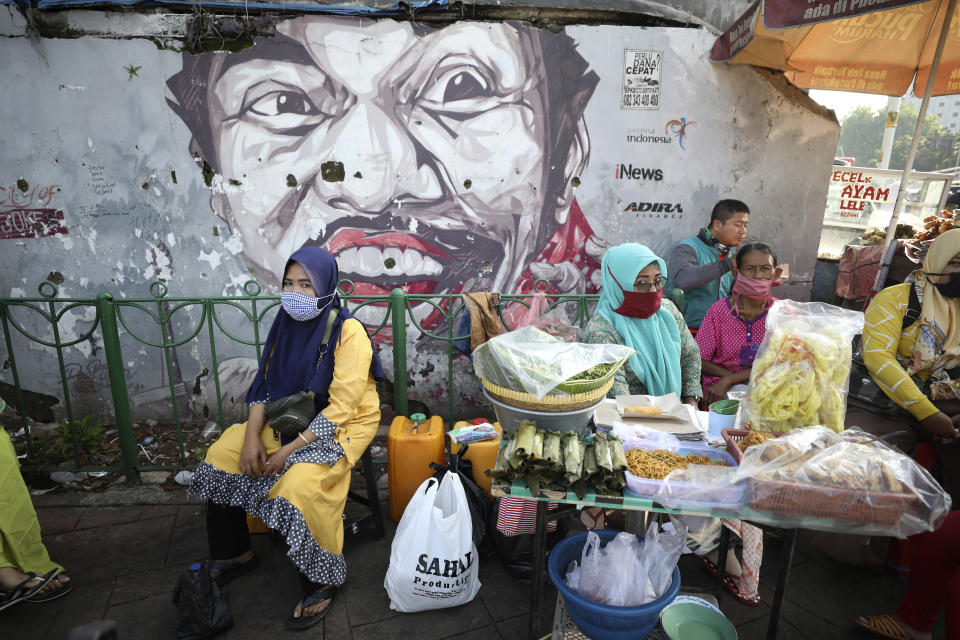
555, 321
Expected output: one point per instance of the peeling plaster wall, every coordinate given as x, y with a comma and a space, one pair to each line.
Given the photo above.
100, 191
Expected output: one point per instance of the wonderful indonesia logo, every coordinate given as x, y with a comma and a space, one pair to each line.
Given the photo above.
675, 130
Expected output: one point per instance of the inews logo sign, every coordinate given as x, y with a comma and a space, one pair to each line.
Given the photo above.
630, 172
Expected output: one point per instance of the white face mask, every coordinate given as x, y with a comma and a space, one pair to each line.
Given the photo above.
302, 307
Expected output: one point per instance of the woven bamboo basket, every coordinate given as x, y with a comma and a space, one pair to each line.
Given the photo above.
548, 403
575, 387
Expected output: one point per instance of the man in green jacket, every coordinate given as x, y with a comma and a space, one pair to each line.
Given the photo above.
700, 266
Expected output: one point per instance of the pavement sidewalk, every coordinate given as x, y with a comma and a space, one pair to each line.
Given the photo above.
125, 560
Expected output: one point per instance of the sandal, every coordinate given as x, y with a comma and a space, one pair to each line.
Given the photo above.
227, 570
733, 588
883, 625
22, 591
301, 622
712, 568
62, 588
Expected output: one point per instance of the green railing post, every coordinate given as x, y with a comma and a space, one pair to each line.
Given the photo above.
118, 385
398, 322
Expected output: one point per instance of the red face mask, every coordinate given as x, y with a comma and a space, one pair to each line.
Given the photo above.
637, 305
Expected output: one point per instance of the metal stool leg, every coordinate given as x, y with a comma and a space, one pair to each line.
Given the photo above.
371, 500
373, 497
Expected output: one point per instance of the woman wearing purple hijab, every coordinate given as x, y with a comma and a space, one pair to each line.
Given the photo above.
297, 486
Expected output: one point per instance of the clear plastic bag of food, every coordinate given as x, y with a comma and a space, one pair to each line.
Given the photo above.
802, 369
535, 362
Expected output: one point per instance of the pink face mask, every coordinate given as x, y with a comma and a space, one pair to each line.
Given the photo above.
752, 287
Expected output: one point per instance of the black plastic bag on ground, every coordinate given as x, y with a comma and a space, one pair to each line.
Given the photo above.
516, 552
202, 611
477, 498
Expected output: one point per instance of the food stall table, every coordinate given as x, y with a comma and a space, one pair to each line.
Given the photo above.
787, 529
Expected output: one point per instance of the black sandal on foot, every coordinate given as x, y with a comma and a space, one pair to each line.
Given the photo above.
61, 589
227, 570
301, 622
22, 591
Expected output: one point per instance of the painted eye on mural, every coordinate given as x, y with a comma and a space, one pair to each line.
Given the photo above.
458, 89
277, 103
464, 86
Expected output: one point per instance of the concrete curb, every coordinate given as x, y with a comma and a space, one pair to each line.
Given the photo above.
116, 496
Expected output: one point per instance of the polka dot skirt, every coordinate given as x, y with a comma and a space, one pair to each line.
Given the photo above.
316, 563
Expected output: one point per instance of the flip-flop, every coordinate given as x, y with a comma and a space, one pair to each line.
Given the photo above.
299, 623
62, 589
22, 591
883, 625
228, 570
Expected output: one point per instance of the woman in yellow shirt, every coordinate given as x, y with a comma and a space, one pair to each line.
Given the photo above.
917, 367
297, 485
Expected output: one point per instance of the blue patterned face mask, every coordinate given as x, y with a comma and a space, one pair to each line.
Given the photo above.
303, 307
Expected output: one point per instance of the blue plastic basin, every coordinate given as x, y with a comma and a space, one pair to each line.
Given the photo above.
603, 621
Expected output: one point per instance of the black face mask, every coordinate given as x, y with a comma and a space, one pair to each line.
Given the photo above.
950, 288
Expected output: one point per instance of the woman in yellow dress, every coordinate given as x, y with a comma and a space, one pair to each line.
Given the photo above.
26, 570
297, 485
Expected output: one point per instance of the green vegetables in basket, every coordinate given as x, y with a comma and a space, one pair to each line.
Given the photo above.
594, 373
550, 460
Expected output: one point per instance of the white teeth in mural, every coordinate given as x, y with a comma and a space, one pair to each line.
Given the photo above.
369, 262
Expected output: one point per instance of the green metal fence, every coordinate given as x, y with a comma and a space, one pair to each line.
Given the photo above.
41, 329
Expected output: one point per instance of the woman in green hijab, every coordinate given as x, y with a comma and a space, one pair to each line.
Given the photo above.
632, 311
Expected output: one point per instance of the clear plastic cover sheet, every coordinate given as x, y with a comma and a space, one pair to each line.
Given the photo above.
533, 361
820, 479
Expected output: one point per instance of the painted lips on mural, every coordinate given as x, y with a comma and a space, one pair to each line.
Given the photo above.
459, 148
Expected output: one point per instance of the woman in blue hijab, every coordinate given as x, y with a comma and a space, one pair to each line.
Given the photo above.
632, 311
298, 485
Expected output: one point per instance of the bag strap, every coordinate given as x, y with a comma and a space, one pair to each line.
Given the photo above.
331, 318
327, 330
913, 309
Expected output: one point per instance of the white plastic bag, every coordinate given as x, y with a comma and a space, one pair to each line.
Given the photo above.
627, 572
625, 583
637, 436
591, 568
433, 561
661, 551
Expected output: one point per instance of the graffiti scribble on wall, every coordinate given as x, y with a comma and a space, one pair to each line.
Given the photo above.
31, 223
456, 150
24, 212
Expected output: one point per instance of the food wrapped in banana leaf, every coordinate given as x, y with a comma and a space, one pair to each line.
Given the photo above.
550, 460
602, 449
552, 451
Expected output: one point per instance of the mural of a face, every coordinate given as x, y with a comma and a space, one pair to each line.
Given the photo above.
432, 160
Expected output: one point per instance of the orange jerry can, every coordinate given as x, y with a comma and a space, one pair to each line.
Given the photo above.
412, 444
482, 453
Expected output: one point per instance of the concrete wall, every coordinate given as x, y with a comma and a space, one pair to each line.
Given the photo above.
473, 156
